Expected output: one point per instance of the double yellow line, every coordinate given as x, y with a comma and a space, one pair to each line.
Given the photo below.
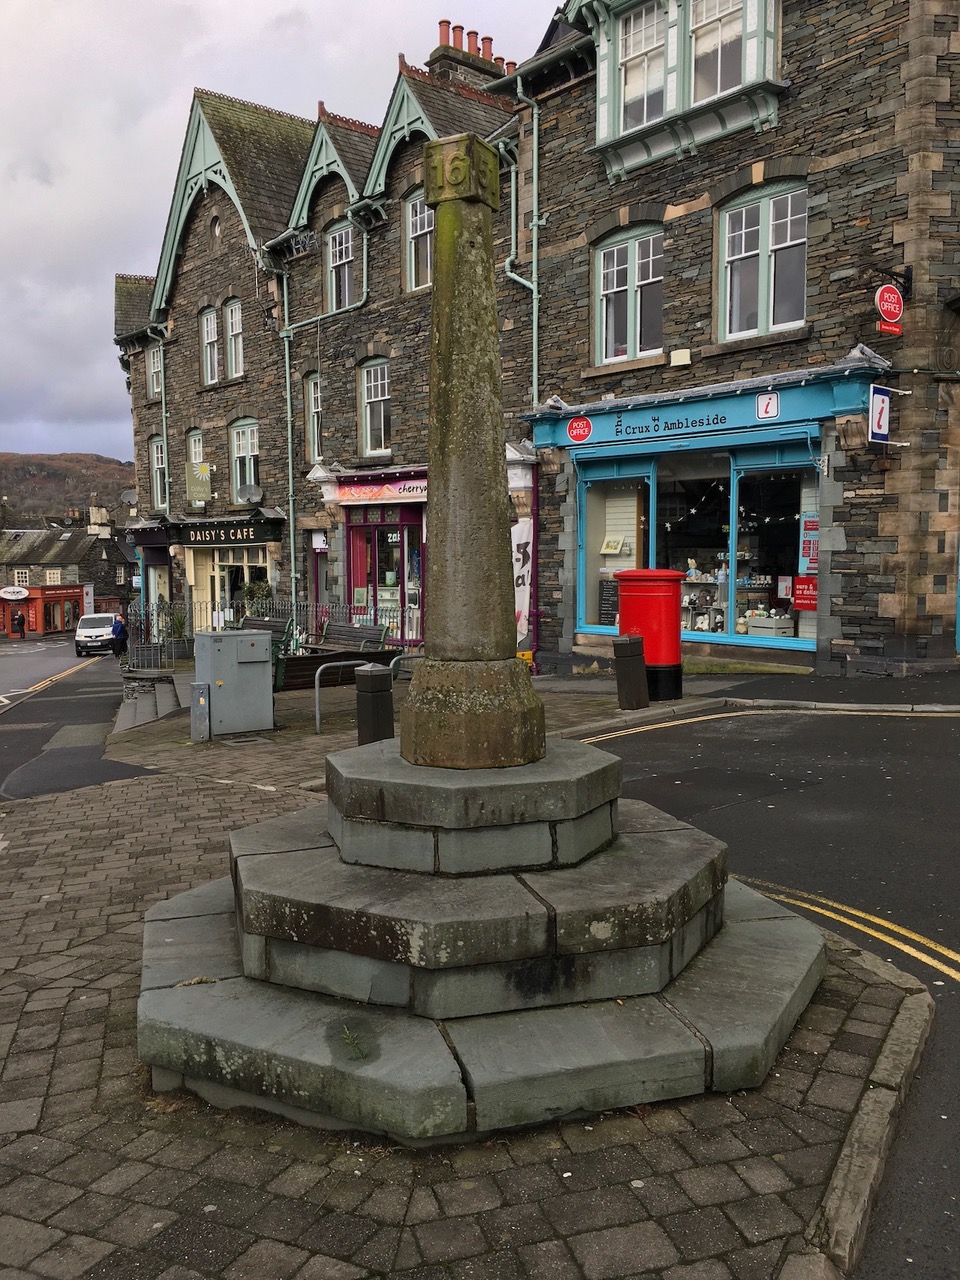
45, 684
893, 935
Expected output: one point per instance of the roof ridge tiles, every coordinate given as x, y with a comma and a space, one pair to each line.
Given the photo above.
359, 126
245, 102
121, 275
457, 86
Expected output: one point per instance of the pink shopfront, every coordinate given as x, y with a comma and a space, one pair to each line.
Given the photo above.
384, 519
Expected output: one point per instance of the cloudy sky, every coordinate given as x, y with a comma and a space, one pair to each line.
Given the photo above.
94, 99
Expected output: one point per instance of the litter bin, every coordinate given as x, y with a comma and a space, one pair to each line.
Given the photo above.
650, 607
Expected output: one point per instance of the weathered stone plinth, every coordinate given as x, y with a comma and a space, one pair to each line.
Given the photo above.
472, 715
384, 812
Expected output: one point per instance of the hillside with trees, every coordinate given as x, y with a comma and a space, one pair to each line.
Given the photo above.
53, 484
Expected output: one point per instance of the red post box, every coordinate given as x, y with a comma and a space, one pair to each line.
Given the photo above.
650, 607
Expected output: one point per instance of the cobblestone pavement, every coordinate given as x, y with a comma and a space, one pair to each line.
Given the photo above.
100, 1178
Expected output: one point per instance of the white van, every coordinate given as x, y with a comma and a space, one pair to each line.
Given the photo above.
94, 634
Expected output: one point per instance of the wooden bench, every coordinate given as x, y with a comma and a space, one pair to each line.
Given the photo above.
339, 642
341, 635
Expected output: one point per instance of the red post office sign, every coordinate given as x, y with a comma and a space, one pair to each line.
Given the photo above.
889, 302
579, 430
805, 594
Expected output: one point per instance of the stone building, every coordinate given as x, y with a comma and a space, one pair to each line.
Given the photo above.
700, 202
721, 188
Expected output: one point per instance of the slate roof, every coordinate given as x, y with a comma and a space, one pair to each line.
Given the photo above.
54, 547
131, 304
265, 152
355, 143
452, 107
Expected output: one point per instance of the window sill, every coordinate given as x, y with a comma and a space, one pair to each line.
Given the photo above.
734, 345
620, 366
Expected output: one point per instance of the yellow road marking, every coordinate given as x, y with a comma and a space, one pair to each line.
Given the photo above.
45, 684
849, 916
768, 711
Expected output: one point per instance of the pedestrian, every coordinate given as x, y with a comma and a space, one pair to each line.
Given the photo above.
19, 624
119, 633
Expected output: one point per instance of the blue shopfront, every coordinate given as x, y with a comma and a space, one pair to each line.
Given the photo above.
719, 482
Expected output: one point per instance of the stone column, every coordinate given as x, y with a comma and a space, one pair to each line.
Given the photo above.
471, 703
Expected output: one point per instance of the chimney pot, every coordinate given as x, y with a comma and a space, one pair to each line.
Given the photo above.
511, 68
444, 31
472, 46
488, 48
458, 37
499, 61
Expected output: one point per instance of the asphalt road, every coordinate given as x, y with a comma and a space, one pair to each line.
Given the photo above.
55, 714
858, 814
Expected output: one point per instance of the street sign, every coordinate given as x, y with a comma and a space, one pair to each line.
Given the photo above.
880, 398
889, 302
887, 326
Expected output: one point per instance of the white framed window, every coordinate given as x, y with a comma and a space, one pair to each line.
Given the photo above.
121, 574
642, 65
21, 577
313, 404
419, 244
154, 371
340, 290
245, 456
764, 240
158, 474
233, 331
375, 381
52, 577
195, 448
630, 297
209, 347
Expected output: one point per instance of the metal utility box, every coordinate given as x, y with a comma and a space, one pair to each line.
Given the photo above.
236, 665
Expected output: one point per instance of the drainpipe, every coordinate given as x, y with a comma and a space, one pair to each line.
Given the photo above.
535, 224
287, 335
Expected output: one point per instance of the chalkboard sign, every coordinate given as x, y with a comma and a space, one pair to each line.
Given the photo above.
609, 602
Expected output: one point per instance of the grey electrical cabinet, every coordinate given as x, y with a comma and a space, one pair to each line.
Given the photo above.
236, 666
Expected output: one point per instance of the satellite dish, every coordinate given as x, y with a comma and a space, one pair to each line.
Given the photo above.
67, 520
129, 496
250, 493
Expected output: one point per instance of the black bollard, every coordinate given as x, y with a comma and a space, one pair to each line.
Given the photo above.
374, 703
632, 691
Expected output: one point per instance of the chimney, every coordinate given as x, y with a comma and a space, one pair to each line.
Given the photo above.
511, 68
499, 61
453, 62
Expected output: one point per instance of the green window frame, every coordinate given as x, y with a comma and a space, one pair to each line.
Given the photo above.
313, 411
763, 243
628, 306
419, 222
665, 58
233, 333
158, 473
209, 347
340, 280
244, 455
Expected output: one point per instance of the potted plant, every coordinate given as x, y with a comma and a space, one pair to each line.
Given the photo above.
257, 597
179, 641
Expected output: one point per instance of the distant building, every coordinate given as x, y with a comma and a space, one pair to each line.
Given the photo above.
43, 572
708, 211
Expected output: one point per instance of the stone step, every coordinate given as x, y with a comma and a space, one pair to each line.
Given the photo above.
146, 705
126, 716
326, 1061
166, 698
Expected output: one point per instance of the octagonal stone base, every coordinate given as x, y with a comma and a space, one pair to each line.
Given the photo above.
329, 1062
385, 812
